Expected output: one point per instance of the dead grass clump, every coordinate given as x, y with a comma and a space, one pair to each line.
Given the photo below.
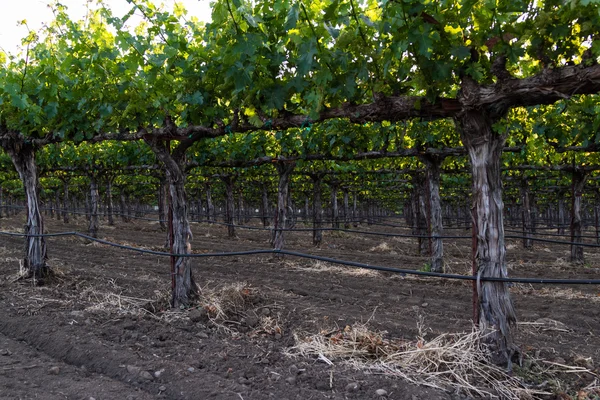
13, 229
567, 294
268, 325
113, 303
561, 262
341, 235
324, 267
4, 252
238, 308
455, 362
229, 301
404, 240
382, 247
546, 325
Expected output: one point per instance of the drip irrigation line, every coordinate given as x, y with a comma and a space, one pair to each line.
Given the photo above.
401, 234
115, 214
506, 230
550, 234
567, 243
551, 241
340, 230
400, 271
327, 221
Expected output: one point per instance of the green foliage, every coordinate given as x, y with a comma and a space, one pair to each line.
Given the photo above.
260, 60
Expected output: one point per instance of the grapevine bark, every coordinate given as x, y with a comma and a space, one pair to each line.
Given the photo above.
94, 197
210, 208
579, 178
22, 155
184, 287
526, 213
109, 202
229, 181
436, 245
280, 222
317, 210
65, 201
335, 212
496, 311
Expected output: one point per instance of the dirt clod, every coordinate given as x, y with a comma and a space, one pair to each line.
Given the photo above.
199, 315
146, 376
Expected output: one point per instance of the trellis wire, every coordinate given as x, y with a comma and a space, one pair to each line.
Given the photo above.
400, 271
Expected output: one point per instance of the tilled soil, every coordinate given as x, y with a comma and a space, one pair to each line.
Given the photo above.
102, 328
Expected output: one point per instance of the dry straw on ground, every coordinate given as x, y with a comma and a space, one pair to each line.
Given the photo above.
222, 303
455, 362
229, 306
382, 247
545, 325
324, 267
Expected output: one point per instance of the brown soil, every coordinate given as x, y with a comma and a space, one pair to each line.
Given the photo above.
102, 328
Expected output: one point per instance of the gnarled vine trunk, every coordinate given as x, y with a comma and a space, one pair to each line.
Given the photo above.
94, 197
496, 311
561, 213
122, 206
184, 289
229, 204
22, 155
162, 204
579, 179
284, 170
87, 206
210, 207
199, 206
109, 202
240, 208
306, 211
526, 213
57, 204
354, 210
419, 213
129, 205
66, 202
436, 246
264, 209
346, 208
335, 212
317, 210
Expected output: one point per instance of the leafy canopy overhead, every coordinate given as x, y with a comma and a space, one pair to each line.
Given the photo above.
260, 60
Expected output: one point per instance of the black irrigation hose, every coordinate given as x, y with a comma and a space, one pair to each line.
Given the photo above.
550, 234
401, 234
338, 230
326, 221
392, 234
400, 271
552, 241
60, 210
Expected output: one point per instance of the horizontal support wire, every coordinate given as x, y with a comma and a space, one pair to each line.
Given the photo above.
400, 271
402, 235
342, 221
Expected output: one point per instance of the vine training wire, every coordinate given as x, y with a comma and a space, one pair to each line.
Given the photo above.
400, 271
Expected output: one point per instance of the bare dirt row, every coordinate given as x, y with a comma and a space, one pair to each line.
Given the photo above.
103, 327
